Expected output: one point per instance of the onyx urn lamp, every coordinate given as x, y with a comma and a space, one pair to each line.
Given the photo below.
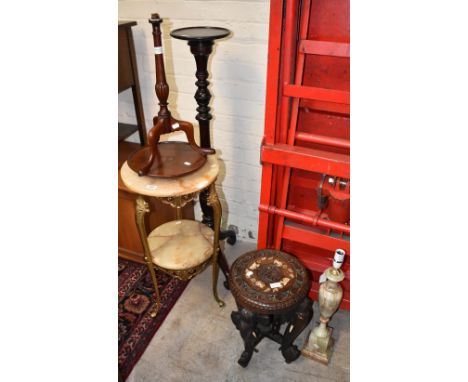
320, 342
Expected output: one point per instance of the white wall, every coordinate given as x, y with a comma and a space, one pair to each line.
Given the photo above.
237, 70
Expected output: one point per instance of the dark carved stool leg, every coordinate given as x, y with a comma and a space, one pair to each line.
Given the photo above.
254, 327
273, 332
300, 319
245, 321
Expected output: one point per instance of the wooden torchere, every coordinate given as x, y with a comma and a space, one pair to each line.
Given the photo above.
168, 159
201, 40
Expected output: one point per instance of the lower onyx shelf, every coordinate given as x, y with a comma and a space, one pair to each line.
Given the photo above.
181, 244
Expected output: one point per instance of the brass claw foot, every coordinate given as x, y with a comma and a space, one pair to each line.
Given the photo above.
154, 312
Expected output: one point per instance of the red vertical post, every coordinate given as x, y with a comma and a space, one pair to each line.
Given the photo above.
271, 107
290, 133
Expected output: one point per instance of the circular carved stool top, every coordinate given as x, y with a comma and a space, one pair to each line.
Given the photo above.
268, 281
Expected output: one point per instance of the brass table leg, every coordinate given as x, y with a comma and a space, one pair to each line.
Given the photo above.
141, 208
214, 203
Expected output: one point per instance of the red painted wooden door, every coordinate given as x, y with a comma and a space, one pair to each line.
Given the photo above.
304, 204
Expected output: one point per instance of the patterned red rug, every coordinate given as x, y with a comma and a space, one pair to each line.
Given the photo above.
136, 327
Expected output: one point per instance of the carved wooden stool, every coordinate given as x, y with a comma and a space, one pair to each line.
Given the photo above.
270, 288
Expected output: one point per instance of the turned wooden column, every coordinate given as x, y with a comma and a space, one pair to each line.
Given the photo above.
201, 40
201, 50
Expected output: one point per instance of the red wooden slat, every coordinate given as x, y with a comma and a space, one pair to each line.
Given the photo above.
321, 161
330, 107
324, 48
323, 140
288, 58
306, 236
305, 218
319, 94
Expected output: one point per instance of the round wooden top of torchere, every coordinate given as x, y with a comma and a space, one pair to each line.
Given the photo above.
200, 33
175, 159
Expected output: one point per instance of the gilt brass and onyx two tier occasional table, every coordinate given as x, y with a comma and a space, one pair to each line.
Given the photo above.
182, 248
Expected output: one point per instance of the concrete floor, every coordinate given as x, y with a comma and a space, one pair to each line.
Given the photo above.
198, 342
